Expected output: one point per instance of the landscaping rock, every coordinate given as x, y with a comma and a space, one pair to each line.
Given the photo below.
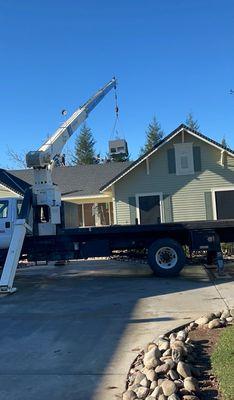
223, 321
191, 384
173, 397
168, 387
160, 381
162, 397
202, 320
151, 358
150, 398
152, 362
229, 319
163, 359
134, 386
181, 335
139, 367
183, 369
167, 353
172, 337
163, 344
183, 392
157, 391
179, 383
151, 375
178, 344
218, 314
153, 385
177, 355
151, 346
145, 382
215, 323
192, 326
171, 363
142, 392
210, 316
162, 369
129, 395
138, 377
173, 375
225, 314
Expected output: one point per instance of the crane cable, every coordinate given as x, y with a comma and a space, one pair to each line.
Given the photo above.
116, 112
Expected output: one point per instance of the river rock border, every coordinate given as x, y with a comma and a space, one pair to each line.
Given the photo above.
165, 370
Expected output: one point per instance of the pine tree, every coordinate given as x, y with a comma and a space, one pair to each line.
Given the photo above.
154, 134
191, 122
84, 147
224, 143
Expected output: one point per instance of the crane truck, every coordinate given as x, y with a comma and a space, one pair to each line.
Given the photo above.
46, 237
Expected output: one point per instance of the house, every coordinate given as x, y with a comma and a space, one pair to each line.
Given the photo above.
84, 205
187, 176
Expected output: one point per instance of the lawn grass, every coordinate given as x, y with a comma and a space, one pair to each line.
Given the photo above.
223, 362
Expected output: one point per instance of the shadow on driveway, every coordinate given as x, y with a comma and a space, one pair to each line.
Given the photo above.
66, 327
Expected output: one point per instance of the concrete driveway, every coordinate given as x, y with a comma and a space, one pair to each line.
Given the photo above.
70, 333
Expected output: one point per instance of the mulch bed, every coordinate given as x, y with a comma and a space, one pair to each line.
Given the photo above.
205, 340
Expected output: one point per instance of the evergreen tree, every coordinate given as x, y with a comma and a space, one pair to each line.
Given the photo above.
154, 134
224, 143
119, 157
84, 147
191, 122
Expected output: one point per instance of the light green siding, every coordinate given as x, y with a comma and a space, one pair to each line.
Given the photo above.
184, 197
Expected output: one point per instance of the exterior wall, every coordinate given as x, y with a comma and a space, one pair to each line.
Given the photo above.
186, 197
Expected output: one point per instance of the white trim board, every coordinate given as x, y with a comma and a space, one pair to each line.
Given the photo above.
218, 189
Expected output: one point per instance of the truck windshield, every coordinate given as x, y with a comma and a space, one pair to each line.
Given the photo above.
3, 208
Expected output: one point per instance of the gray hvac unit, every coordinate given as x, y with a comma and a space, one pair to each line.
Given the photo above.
118, 146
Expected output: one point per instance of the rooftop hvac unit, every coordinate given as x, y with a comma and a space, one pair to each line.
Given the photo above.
118, 146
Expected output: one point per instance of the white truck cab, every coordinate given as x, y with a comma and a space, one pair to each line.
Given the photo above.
9, 211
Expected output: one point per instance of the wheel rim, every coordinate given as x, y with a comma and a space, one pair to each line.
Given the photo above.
166, 257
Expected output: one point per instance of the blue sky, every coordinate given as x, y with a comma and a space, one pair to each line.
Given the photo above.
171, 57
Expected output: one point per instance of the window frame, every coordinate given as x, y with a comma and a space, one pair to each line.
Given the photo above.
213, 194
190, 158
160, 194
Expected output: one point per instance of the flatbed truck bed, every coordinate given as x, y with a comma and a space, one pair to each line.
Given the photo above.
164, 242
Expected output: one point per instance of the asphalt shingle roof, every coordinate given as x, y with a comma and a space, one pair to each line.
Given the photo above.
80, 180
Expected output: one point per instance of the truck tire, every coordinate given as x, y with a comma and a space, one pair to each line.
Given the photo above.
166, 257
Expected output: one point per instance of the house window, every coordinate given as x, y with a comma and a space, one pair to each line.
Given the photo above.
149, 208
224, 204
184, 158
3, 208
88, 214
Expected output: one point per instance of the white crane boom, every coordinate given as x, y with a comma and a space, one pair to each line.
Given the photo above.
45, 196
52, 148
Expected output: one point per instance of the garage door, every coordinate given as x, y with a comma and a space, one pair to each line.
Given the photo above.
225, 204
